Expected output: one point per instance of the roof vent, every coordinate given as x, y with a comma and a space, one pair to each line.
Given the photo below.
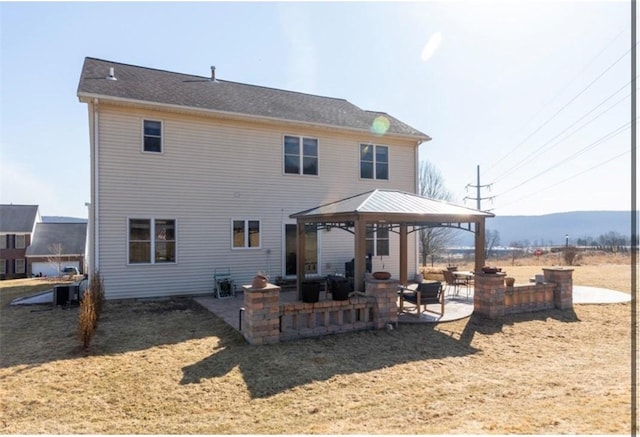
213, 73
112, 75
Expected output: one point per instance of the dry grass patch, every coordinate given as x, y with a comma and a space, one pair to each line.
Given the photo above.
172, 367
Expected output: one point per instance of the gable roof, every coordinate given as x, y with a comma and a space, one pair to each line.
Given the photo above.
393, 204
147, 85
17, 218
72, 236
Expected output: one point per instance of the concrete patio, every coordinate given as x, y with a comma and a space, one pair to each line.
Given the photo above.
456, 307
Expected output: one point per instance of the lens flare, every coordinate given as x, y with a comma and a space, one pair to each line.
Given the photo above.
431, 46
380, 125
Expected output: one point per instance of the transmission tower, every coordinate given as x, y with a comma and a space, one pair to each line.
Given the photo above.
478, 187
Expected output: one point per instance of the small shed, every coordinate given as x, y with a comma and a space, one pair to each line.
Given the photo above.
401, 212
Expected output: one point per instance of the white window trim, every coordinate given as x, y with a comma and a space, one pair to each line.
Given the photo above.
246, 234
161, 152
24, 241
301, 155
375, 240
15, 266
153, 241
375, 175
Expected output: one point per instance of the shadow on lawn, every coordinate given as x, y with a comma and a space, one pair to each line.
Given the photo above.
33, 335
268, 370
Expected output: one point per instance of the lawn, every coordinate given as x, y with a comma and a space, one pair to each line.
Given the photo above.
171, 367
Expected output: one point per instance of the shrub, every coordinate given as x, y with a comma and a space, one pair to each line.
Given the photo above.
96, 289
570, 254
87, 320
90, 309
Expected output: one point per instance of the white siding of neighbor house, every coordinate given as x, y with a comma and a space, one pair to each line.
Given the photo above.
210, 172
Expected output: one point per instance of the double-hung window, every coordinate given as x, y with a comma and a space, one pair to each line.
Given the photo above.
152, 241
377, 240
20, 242
3, 241
374, 161
245, 234
3, 266
152, 136
19, 266
300, 155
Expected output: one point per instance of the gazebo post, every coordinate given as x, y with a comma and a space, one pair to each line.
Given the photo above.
480, 238
360, 241
403, 254
301, 258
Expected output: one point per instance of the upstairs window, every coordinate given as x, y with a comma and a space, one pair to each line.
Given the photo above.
246, 234
377, 240
152, 136
374, 161
300, 155
20, 242
152, 241
3, 241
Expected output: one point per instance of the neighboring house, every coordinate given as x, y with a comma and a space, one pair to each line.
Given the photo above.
17, 225
56, 246
194, 174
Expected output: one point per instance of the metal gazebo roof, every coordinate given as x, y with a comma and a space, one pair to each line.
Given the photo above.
395, 208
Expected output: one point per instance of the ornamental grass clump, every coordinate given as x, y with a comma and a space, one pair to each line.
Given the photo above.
90, 310
87, 320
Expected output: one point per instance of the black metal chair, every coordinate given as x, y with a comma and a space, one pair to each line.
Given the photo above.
424, 294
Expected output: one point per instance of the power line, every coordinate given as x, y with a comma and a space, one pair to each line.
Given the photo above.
561, 109
599, 141
540, 150
554, 185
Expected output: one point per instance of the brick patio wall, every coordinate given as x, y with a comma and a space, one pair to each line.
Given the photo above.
493, 299
266, 320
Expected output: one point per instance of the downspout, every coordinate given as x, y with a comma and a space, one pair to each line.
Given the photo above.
95, 187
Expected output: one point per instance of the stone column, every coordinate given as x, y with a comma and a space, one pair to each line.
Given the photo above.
488, 294
261, 319
563, 292
386, 295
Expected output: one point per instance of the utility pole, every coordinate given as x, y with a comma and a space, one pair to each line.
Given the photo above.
478, 187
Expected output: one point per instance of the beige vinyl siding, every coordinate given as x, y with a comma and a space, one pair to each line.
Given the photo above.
210, 172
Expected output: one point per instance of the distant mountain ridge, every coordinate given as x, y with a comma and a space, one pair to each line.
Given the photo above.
550, 229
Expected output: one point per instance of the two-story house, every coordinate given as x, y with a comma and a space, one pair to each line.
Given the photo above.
17, 225
190, 174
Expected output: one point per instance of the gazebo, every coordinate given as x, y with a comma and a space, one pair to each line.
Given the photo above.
402, 212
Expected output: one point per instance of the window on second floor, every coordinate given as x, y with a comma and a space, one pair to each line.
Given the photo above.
377, 240
374, 161
20, 241
3, 242
300, 155
152, 136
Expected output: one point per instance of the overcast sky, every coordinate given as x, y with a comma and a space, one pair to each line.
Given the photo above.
535, 93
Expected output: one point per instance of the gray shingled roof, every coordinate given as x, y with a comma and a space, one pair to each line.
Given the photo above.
17, 218
393, 202
72, 236
143, 84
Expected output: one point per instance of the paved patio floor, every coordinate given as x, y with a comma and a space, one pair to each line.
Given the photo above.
456, 307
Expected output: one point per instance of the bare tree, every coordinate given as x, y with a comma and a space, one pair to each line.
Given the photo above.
491, 240
56, 256
431, 185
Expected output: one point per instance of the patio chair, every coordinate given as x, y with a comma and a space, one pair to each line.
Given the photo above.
224, 285
452, 281
424, 293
